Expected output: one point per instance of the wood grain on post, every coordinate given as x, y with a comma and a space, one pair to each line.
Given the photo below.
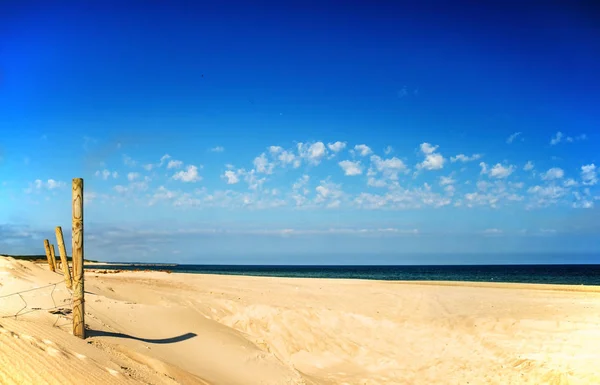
49, 256
63, 257
78, 300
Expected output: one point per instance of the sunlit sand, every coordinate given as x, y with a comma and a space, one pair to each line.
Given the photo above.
160, 328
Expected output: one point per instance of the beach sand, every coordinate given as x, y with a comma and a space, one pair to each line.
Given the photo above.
160, 328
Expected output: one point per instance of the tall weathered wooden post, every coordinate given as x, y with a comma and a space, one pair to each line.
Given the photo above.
78, 300
49, 255
63, 256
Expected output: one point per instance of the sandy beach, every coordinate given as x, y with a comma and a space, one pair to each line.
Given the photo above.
160, 328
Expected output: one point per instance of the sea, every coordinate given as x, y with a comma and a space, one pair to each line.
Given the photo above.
549, 274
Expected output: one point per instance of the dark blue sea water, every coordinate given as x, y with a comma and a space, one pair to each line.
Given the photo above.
551, 274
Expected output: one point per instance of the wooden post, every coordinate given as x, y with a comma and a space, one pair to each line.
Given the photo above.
78, 301
48, 255
53, 257
63, 256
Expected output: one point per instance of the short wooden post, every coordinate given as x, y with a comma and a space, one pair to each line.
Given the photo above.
78, 300
53, 256
49, 255
63, 256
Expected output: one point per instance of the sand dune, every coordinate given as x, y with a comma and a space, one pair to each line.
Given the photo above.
160, 328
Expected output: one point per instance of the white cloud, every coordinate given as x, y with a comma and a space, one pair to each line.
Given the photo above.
498, 171
544, 196
163, 159
583, 201
446, 180
570, 183
401, 199
300, 190
363, 149
89, 197
553, 173
39, 185
128, 161
329, 194
274, 150
450, 189
390, 168
428, 148
262, 164
512, 137
552, 192
336, 146
120, 189
351, 168
464, 158
105, 174
556, 139
395, 191
373, 182
134, 186
231, 176
286, 157
189, 175
313, 153
492, 194
388, 150
560, 137
132, 176
162, 194
589, 175
174, 164
583, 204
53, 184
254, 182
217, 149
433, 160
301, 182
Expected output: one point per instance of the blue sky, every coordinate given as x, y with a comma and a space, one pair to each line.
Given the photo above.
302, 133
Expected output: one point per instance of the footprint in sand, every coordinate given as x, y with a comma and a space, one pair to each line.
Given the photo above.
54, 352
113, 372
5, 331
42, 344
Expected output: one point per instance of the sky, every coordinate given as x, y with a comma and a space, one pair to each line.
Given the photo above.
303, 132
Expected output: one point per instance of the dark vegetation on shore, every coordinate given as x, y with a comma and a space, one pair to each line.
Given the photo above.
37, 258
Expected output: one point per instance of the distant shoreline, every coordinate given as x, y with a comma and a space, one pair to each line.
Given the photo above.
588, 275
39, 258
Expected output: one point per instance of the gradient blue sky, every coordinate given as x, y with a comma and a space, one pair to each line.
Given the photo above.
302, 132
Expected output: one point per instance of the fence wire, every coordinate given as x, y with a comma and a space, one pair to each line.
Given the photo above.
66, 306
